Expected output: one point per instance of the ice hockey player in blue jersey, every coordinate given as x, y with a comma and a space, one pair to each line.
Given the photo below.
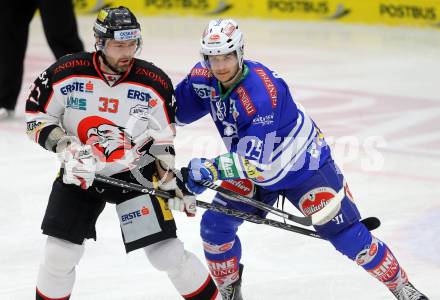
274, 148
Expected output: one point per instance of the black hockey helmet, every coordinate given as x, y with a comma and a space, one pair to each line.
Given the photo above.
117, 23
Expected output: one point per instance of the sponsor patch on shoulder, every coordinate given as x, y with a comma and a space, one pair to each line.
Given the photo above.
200, 72
270, 87
246, 101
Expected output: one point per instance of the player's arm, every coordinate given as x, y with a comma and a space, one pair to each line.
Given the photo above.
247, 160
269, 146
190, 106
43, 117
43, 113
162, 130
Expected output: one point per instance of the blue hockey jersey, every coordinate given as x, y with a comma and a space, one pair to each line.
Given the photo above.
271, 139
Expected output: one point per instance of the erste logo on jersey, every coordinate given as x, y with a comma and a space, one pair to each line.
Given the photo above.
205, 91
316, 199
138, 95
127, 218
142, 112
77, 86
109, 140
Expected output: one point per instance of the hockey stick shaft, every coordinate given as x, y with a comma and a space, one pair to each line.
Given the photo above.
132, 186
255, 203
322, 216
257, 219
225, 210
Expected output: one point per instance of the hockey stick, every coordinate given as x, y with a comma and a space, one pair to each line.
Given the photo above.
225, 210
320, 217
324, 215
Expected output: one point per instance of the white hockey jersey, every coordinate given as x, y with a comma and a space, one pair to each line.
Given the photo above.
119, 119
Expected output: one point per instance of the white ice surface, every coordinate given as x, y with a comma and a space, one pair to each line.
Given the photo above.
357, 82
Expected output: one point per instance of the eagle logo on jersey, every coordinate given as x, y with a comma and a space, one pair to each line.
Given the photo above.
108, 139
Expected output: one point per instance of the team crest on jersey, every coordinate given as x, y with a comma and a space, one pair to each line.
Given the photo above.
233, 109
230, 129
109, 140
218, 109
315, 200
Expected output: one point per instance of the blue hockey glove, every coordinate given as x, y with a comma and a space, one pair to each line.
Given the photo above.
200, 169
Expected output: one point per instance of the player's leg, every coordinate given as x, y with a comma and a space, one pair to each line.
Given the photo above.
60, 28
146, 222
345, 231
14, 23
222, 245
56, 275
187, 273
70, 218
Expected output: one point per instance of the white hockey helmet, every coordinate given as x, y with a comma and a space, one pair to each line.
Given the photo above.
221, 36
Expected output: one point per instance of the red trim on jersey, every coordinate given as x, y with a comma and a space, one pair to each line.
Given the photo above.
160, 97
268, 84
78, 76
246, 101
125, 74
200, 289
95, 64
37, 136
215, 295
47, 298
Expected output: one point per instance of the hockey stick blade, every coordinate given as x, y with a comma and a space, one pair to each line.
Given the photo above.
371, 223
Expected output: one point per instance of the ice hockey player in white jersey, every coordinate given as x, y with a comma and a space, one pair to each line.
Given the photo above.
110, 113
274, 148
